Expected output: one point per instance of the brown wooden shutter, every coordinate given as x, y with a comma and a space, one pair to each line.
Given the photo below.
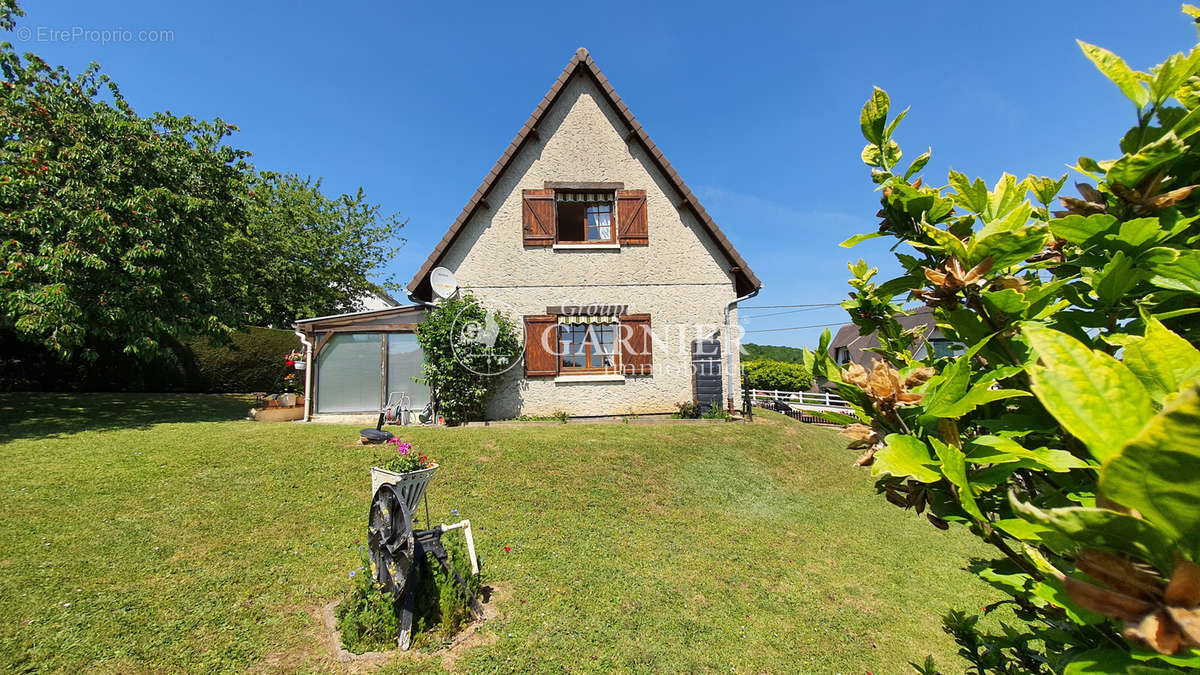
537, 217
631, 217
636, 356
541, 345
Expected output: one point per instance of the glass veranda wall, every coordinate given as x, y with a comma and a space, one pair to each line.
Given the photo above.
356, 372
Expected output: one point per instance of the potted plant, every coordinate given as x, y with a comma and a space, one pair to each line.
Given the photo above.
295, 359
409, 470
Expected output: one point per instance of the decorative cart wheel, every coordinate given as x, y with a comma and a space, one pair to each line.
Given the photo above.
398, 553
390, 541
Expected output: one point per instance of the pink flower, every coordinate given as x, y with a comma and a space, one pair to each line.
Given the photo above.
507, 549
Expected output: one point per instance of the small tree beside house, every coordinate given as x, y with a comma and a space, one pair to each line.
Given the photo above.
459, 368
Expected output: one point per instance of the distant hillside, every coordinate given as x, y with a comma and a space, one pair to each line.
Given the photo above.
772, 353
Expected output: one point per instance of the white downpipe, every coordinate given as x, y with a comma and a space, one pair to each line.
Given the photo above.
308, 369
729, 344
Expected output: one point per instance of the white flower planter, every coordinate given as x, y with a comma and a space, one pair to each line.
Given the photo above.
299, 365
411, 485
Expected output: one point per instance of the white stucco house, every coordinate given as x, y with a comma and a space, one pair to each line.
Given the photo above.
587, 235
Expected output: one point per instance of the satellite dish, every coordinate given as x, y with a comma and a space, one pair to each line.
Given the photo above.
443, 283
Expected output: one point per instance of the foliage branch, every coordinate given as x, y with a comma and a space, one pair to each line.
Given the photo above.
1067, 436
123, 234
461, 372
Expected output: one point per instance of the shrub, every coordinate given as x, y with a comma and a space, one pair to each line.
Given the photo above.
460, 379
777, 375
753, 352
688, 410
366, 616
1066, 435
441, 608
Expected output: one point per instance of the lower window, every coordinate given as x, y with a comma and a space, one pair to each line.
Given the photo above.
587, 347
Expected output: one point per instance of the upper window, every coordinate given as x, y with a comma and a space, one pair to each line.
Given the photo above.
841, 355
584, 217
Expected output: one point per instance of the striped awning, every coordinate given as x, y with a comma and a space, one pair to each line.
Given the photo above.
605, 197
575, 318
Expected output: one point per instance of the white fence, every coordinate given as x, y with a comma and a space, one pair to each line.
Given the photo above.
801, 399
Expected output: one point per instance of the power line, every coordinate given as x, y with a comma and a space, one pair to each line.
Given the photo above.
773, 330
821, 304
789, 311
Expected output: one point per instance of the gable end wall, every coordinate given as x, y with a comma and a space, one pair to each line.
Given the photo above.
680, 278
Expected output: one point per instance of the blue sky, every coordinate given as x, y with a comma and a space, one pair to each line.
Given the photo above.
756, 105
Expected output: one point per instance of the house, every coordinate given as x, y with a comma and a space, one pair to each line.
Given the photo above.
593, 243
376, 299
849, 346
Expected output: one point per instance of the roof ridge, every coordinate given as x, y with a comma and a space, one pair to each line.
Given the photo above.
582, 58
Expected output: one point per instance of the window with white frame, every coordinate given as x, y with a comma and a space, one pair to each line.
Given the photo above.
584, 217
588, 344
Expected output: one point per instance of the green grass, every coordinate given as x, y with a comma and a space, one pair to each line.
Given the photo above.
187, 539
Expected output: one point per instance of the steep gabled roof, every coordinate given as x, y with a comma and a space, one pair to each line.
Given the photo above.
583, 61
848, 336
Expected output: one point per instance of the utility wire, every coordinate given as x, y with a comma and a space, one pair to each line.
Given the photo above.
820, 304
789, 311
819, 325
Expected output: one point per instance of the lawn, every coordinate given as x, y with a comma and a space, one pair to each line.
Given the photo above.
160, 533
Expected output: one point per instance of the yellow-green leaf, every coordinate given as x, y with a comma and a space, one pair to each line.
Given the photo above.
954, 466
1131, 169
1101, 529
918, 164
1157, 473
905, 456
1115, 69
952, 244
1162, 360
1078, 229
859, 238
998, 450
971, 195
1091, 394
874, 116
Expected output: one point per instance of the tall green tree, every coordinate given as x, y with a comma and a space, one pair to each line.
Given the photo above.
128, 234
113, 226
308, 254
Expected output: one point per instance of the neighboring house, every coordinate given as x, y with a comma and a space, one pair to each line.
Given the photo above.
373, 300
585, 230
848, 346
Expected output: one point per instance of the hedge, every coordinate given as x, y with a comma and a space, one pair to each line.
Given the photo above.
253, 362
777, 375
